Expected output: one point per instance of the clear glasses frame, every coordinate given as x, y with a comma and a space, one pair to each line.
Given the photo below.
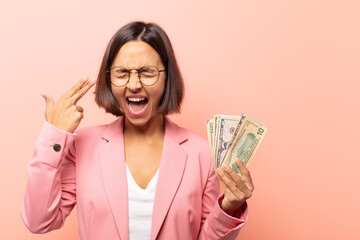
138, 70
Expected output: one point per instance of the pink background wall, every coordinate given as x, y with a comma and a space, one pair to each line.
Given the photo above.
292, 64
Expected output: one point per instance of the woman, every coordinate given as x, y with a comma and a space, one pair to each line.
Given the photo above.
142, 176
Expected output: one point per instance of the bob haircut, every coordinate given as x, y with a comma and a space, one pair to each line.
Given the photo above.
156, 37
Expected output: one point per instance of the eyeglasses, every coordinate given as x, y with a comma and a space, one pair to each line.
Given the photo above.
148, 75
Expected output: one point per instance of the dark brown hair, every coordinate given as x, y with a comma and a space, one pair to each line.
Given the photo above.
156, 37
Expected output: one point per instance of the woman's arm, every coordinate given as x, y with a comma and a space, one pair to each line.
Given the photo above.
216, 224
50, 193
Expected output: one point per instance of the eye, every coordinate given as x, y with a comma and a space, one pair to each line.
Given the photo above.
120, 73
148, 72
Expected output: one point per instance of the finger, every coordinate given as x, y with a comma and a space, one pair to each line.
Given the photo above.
81, 115
79, 94
79, 109
227, 191
232, 192
228, 183
245, 174
241, 166
219, 175
76, 87
225, 187
240, 184
49, 102
232, 174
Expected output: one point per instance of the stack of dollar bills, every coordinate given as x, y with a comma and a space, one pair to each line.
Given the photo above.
232, 137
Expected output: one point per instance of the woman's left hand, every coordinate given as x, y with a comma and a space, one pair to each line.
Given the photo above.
238, 187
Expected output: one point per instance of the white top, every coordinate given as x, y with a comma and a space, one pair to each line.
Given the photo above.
141, 202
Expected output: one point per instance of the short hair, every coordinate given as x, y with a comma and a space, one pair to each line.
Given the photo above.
156, 37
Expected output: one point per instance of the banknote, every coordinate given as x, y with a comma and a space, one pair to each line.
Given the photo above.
216, 125
232, 137
237, 128
215, 134
245, 143
210, 133
224, 135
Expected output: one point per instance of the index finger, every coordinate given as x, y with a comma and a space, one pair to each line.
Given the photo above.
76, 87
241, 165
79, 94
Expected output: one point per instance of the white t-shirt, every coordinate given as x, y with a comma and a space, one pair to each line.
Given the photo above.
141, 202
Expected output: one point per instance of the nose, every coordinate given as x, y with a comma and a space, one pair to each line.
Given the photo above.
134, 83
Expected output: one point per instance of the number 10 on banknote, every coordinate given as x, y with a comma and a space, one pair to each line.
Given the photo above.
232, 137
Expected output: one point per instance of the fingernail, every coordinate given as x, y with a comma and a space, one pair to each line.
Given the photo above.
226, 167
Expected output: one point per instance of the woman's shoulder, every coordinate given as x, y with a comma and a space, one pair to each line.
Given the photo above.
191, 140
95, 131
198, 148
181, 132
194, 137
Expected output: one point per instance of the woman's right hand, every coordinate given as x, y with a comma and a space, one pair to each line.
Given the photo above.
65, 114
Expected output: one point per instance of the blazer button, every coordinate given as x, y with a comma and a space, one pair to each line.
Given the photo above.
57, 147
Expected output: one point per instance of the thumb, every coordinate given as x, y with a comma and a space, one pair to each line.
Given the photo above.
49, 102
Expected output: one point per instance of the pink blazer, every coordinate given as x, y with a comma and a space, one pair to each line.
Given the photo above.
89, 170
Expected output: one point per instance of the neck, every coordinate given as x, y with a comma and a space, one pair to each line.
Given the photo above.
154, 127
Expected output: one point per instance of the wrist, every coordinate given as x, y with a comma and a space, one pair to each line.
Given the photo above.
228, 208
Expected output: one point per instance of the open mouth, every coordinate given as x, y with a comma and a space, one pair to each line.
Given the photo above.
136, 105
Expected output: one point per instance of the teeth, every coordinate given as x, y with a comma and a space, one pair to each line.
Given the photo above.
136, 99
136, 111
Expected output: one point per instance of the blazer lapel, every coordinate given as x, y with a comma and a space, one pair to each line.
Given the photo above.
172, 166
113, 169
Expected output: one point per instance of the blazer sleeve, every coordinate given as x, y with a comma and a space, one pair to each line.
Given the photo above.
216, 224
50, 193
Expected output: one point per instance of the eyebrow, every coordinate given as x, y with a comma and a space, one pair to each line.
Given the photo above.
135, 67
120, 69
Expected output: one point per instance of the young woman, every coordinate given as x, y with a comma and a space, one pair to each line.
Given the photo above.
142, 176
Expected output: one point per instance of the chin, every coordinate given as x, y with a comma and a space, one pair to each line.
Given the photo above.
137, 121
142, 121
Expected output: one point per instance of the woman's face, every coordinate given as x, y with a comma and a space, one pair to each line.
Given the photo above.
138, 102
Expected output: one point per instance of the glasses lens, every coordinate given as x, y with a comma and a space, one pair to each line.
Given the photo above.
119, 76
149, 75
